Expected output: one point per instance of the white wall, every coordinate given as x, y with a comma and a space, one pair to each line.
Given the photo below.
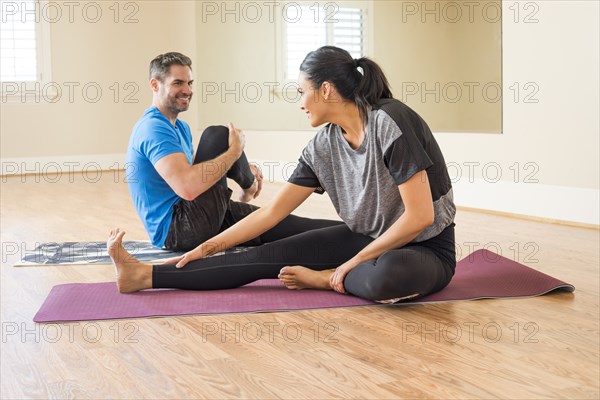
556, 139
546, 162
558, 135
81, 126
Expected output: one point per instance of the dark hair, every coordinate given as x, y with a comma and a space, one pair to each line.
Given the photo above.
335, 65
159, 67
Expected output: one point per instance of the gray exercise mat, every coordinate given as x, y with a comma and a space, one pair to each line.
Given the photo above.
72, 253
78, 253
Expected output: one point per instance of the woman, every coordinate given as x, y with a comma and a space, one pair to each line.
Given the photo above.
386, 176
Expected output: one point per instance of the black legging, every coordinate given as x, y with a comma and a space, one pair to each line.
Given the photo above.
415, 269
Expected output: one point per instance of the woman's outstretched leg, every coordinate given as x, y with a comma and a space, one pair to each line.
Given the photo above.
319, 249
305, 260
407, 272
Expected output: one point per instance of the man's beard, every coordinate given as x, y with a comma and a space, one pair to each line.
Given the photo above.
176, 108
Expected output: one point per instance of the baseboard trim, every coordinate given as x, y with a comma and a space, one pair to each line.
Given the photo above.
530, 218
55, 165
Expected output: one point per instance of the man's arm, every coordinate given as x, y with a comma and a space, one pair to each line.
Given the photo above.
190, 181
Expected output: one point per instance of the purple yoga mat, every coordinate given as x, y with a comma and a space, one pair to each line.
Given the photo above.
482, 274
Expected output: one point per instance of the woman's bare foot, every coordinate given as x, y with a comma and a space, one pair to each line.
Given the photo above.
132, 274
298, 277
248, 194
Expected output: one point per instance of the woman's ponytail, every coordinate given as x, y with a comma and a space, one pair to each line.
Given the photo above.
372, 86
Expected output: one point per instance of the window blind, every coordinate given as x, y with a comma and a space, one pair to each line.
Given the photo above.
311, 29
18, 49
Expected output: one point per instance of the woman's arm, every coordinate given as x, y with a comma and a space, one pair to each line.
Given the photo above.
258, 222
417, 216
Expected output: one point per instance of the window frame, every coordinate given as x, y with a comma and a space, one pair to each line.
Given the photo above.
43, 63
281, 35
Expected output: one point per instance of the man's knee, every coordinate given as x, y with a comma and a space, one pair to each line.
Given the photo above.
213, 143
216, 133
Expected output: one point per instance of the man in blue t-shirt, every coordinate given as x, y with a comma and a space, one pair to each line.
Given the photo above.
181, 199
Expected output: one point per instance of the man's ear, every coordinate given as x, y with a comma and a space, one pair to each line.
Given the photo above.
154, 84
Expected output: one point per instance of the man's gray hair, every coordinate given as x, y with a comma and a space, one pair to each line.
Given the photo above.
159, 67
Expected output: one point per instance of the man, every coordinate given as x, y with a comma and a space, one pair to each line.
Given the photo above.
183, 200
182, 203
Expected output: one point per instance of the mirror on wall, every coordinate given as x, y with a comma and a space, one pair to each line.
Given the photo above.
443, 58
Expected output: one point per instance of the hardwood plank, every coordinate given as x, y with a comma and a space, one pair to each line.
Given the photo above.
544, 347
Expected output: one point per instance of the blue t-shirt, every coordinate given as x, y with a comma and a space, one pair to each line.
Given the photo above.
154, 137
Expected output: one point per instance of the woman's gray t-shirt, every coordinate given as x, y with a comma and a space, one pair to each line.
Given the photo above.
363, 183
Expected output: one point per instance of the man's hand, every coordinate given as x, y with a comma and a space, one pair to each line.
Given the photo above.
237, 140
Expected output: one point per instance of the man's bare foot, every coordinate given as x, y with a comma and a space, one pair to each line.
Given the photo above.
298, 277
248, 194
132, 274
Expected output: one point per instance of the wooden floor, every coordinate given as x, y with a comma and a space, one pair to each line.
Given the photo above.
544, 347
